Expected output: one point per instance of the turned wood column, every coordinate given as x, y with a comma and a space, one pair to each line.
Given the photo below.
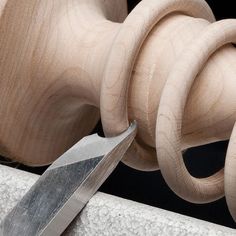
58, 60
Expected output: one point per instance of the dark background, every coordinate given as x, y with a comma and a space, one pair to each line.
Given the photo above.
150, 188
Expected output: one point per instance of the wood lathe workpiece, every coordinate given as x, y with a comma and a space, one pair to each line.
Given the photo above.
167, 65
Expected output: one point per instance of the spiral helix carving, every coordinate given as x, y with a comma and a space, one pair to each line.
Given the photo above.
171, 108
114, 112
94, 57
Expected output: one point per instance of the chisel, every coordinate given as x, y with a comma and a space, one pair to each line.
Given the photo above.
66, 186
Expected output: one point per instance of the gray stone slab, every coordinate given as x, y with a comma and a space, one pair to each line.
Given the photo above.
110, 215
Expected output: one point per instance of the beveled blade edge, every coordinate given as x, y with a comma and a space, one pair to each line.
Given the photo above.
91, 184
90, 147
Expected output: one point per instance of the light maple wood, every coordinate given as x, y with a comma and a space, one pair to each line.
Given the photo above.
230, 174
170, 115
61, 61
114, 93
52, 55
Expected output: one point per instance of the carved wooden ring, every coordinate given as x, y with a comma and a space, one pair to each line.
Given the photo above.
64, 59
170, 114
121, 62
230, 175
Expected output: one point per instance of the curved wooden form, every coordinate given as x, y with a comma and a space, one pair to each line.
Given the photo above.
52, 56
61, 61
230, 175
114, 93
170, 115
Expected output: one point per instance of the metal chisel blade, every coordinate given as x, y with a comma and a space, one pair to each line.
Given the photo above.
66, 186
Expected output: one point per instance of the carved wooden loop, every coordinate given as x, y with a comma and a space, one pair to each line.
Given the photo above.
120, 64
230, 175
170, 114
60, 61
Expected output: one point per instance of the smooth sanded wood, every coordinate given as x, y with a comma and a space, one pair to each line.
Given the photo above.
61, 61
56, 59
230, 175
52, 55
170, 116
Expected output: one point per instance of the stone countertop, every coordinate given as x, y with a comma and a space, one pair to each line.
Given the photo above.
109, 215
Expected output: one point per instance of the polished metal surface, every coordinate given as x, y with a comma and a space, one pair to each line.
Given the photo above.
66, 186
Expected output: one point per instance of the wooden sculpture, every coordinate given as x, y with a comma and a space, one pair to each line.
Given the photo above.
167, 65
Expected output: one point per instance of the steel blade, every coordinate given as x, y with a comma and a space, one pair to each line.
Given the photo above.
66, 186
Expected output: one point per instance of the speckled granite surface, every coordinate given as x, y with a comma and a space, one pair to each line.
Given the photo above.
110, 215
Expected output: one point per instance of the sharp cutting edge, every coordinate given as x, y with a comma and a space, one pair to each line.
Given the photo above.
66, 186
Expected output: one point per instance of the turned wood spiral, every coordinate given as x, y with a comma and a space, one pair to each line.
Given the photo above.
167, 65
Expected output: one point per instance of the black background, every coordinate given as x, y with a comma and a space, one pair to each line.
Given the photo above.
150, 188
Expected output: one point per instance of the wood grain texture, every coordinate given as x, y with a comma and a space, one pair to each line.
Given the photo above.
210, 110
51, 60
118, 71
61, 61
170, 116
230, 175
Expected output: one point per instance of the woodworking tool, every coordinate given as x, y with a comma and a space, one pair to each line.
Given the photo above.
66, 186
